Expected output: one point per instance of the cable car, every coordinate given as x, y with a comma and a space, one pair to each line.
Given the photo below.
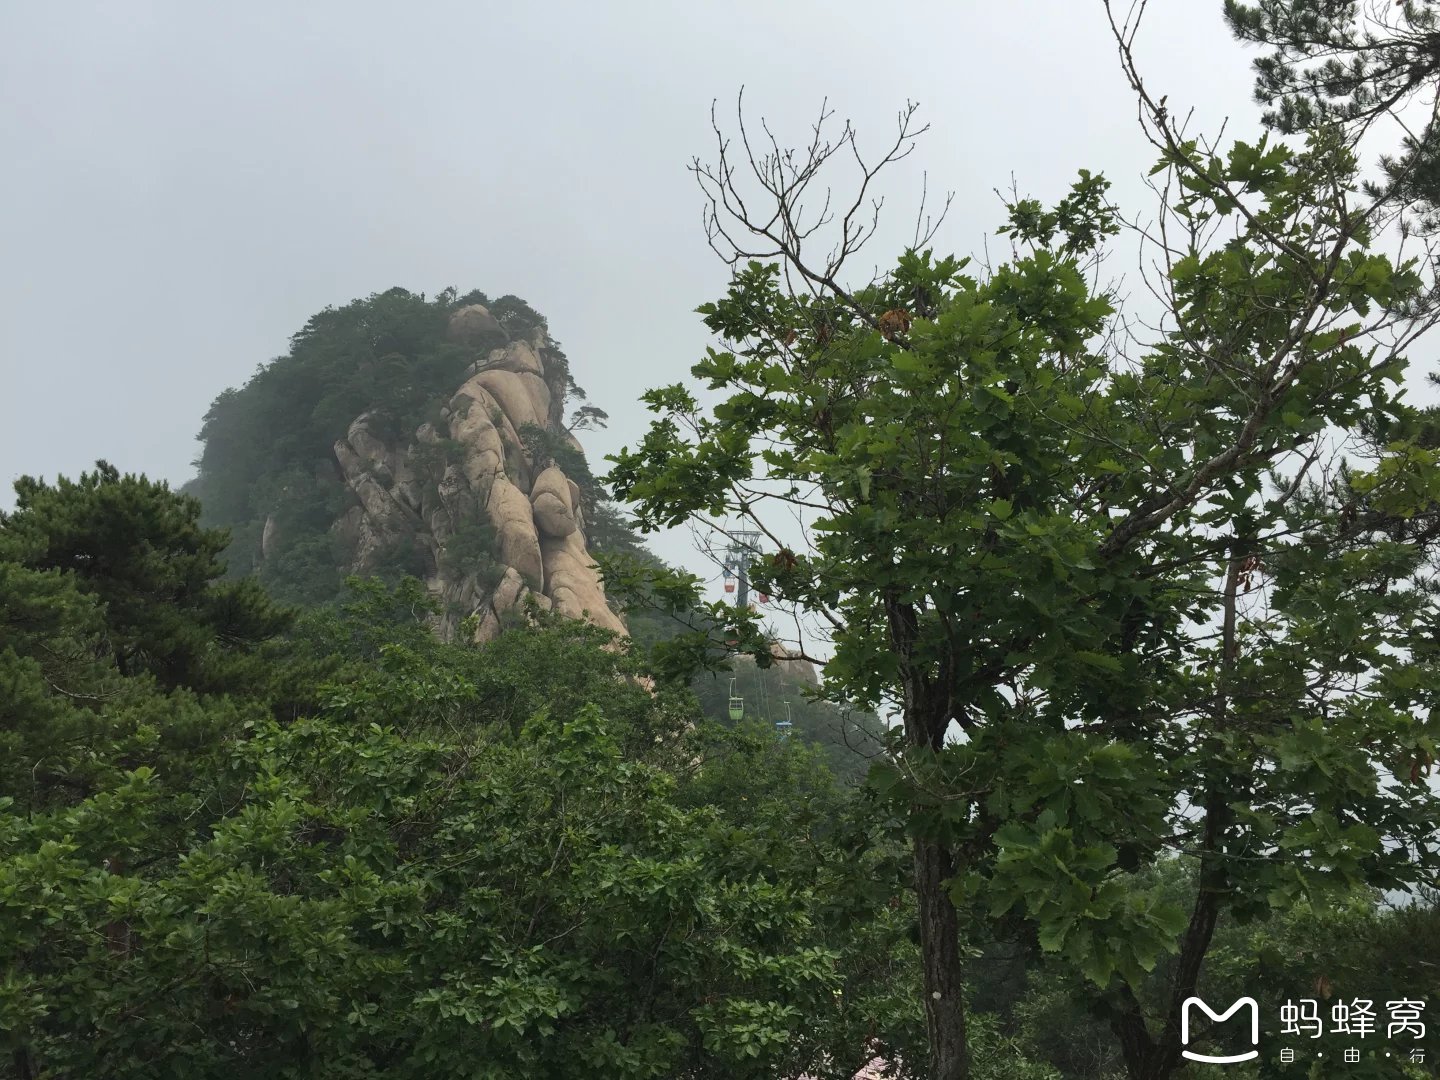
763, 598
737, 704
729, 584
782, 727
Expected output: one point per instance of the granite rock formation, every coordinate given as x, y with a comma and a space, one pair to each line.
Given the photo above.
473, 501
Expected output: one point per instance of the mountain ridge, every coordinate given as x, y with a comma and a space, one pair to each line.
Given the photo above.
455, 464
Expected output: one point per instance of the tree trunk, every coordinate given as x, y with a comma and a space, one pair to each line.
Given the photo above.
927, 716
940, 950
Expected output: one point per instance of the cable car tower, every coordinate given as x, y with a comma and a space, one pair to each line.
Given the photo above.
744, 549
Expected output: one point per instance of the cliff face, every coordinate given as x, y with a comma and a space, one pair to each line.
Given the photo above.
478, 501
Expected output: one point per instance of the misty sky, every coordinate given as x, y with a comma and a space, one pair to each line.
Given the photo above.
184, 184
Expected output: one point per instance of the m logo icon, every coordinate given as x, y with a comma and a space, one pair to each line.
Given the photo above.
1219, 1018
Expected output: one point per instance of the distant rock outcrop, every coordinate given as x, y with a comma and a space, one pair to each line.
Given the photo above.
789, 663
793, 663
479, 471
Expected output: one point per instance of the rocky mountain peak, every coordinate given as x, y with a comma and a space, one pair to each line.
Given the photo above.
479, 497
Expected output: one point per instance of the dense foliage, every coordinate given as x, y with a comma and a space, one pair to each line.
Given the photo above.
379, 854
1351, 947
374, 854
1040, 547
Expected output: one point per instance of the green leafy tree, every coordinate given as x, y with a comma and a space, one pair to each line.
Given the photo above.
1117, 607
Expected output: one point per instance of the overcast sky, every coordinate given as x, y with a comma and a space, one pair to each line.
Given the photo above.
184, 184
